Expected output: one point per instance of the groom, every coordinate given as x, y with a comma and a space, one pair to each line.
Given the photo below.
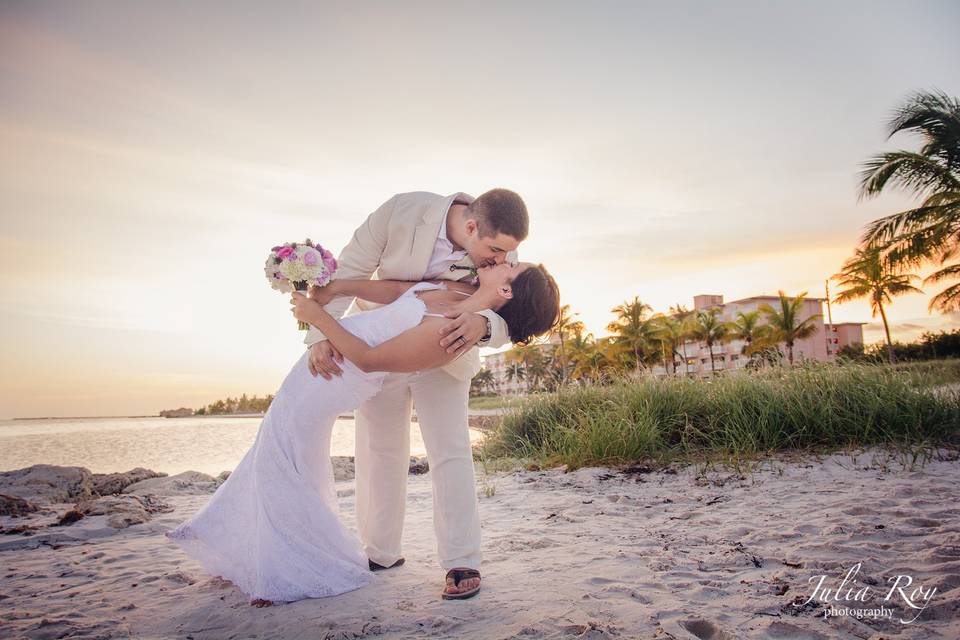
421, 236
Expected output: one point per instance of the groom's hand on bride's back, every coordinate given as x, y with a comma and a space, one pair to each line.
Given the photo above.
323, 360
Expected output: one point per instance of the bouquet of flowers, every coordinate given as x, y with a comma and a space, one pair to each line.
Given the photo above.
295, 266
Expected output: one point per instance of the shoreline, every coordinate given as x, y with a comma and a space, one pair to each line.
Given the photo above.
483, 420
472, 412
80, 418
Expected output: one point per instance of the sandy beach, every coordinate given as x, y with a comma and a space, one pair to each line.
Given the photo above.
593, 553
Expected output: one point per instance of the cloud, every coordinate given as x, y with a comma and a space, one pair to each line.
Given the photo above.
911, 329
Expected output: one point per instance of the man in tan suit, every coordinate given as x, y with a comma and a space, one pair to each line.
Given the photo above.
423, 236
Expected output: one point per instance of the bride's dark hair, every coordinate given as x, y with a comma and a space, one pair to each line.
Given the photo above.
535, 306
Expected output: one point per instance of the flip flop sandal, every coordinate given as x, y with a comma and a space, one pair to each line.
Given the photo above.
379, 567
459, 574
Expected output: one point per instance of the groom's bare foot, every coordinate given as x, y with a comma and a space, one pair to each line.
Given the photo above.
260, 602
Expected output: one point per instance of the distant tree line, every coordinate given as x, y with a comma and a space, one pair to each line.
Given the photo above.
929, 347
243, 404
639, 341
546, 367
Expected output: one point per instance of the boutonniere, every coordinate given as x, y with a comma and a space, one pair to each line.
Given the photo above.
473, 271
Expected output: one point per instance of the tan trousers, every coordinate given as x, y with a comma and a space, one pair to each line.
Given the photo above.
382, 463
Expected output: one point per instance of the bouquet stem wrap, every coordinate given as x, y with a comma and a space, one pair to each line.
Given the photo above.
302, 286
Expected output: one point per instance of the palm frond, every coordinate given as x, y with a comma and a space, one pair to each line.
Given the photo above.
947, 300
935, 116
913, 236
907, 171
952, 271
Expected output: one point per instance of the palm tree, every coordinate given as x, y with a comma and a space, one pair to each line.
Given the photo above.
580, 350
670, 332
869, 275
786, 324
631, 329
483, 381
608, 359
930, 232
594, 360
538, 369
565, 328
531, 357
747, 327
685, 317
514, 371
710, 330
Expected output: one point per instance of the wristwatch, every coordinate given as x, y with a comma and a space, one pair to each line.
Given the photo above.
486, 336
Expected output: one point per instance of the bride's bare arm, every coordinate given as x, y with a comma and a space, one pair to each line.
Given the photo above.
413, 350
379, 291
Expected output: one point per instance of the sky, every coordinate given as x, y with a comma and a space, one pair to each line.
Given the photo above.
151, 153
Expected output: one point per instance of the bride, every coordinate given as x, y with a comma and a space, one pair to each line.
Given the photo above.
272, 528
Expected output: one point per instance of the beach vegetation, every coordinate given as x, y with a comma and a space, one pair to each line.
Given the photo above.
809, 406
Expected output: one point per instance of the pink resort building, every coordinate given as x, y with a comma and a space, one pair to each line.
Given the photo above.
822, 345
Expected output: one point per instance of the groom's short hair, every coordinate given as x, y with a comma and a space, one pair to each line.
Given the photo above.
500, 211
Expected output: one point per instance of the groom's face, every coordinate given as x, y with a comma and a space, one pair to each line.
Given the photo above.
489, 250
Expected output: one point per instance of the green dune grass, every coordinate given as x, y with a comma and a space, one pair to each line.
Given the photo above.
813, 406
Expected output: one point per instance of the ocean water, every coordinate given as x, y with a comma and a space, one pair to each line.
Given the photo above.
172, 445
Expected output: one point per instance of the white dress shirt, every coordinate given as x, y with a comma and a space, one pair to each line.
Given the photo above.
443, 252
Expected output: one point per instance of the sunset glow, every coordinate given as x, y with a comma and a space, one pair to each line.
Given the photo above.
152, 153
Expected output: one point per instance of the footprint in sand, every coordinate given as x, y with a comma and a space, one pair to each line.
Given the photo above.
947, 583
706, 630
925, 523
630, 592
180, 577
525, 545
216, 582
807, 529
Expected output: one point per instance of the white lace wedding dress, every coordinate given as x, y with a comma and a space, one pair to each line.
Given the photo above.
272, 528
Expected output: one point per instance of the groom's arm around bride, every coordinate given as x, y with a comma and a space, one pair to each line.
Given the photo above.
404, 237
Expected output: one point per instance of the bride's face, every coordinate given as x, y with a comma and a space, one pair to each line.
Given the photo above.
501, 276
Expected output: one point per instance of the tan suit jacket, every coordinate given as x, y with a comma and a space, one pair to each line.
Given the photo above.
396, 243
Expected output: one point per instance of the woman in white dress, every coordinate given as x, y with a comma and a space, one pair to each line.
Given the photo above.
272, 527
